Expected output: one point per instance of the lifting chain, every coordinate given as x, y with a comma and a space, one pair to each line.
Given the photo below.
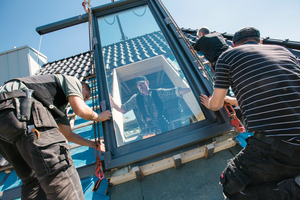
99, 169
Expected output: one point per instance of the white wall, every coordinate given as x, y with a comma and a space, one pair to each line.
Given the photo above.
20, 62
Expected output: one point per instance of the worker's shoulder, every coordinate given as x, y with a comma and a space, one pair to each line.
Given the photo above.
213, 36
65, 78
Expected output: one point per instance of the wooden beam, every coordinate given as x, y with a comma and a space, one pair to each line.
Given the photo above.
167, 163
209, 151
82, 125
7, 167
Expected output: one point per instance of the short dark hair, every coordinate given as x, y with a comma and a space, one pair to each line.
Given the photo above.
241, 41
87, 87
204, 30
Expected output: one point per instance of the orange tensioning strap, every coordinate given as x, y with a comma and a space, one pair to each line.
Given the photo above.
37, 132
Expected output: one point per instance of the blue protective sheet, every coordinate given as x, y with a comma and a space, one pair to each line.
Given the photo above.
86, 132
83, 156
11, 182
87, 186
2, 176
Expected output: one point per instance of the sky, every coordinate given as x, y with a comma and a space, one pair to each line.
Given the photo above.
277, 19
110, 31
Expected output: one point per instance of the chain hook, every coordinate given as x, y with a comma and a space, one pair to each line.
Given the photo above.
235, 121
84, 3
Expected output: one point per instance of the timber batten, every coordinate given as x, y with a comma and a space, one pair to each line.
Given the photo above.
169, 162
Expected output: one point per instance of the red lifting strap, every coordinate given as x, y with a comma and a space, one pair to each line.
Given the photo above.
99, 169
83, 4
235, 121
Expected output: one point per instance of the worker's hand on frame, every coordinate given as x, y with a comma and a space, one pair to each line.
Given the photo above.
204, 100
105, 115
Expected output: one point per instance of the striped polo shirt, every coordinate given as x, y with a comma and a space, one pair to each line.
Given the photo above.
266, 82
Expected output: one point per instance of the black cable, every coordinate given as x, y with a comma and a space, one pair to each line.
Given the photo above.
141, 14
112, 22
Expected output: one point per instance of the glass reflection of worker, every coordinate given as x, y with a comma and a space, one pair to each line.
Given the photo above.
149, 103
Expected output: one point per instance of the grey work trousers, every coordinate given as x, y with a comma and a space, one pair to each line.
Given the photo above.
43, 164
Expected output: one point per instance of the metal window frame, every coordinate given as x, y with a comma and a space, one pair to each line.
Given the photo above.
215, 124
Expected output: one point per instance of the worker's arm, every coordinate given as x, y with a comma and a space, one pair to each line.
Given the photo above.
183, 91
81, 109
73, 137
216, 101
231, 100
116, 106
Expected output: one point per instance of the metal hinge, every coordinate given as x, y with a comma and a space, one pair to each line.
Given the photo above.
168, 21
95, 41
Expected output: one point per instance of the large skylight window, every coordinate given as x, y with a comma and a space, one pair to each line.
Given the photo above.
133, 45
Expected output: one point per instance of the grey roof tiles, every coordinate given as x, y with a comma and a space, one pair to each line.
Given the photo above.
117, 54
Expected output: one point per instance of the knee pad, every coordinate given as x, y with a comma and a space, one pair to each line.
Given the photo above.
234, 179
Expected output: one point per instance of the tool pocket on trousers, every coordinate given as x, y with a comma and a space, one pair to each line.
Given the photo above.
49, 150
233, 179
11, 127
41, 116
55, 157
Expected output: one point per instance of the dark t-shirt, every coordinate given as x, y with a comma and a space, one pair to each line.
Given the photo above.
212, 46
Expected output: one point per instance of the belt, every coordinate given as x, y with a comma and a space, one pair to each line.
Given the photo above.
12, 94
262, 137
277, 144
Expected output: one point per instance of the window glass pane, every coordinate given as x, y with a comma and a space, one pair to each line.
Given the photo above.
149, 93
